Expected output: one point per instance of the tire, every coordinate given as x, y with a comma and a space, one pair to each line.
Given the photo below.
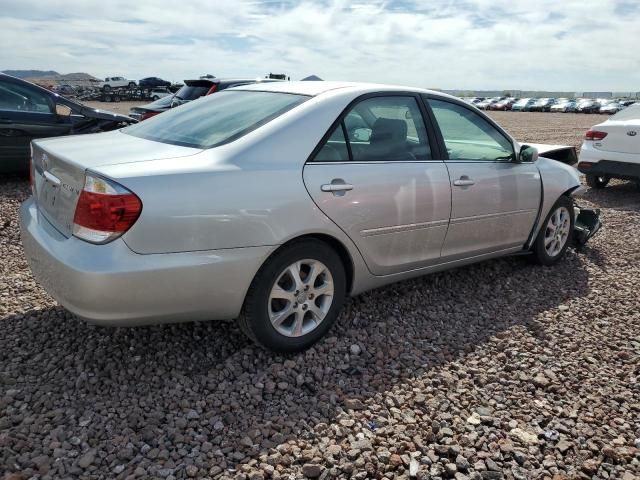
556, 233
259, 319
155, 97
106, 88
107, 98
116, 98
597, 181
132, 84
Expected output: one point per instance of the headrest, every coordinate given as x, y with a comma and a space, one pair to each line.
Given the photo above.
389, 130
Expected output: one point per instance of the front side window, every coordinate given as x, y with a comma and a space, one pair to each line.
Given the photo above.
379, 129
216, 119
468, 136
19, 98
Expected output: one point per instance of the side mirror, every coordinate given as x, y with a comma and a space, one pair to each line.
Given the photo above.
63, 110
527, 154
362, 134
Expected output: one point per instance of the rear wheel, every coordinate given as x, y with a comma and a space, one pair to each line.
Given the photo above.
295, 297
597, 181
556, 233
132, 85
107, 88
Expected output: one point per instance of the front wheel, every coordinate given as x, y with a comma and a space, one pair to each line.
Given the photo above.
295, 297
597, 181
556, 233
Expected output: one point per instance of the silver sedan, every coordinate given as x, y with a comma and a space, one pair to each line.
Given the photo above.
272, 203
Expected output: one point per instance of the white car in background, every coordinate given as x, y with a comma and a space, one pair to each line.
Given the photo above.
117, 82
612, 149
158, 93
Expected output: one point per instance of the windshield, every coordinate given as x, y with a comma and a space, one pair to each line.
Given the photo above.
524, 101
217, 119
632, 112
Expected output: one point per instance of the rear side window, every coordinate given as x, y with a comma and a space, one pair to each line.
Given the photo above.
18, 98
385, 128
468, 136
335, 148
216, 119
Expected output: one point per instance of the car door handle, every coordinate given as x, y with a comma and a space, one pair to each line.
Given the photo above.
464, 181
336, 187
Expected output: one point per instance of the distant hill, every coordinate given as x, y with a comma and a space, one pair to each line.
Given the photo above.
50, 78
31, 73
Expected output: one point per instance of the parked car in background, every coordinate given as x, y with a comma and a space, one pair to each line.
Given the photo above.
153, 82
158, 93
152, 109
612, 149
64, 89
320, 222
564, 107
611, 108
28, 111
503, 105
193, 89
523, 105
588, 106
542, 105
488, 103
116, 82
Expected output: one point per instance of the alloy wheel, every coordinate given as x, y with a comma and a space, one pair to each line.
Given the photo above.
557, 231
300, 298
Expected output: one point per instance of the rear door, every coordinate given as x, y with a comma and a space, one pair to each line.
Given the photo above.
375, 176
495, 200
25, 113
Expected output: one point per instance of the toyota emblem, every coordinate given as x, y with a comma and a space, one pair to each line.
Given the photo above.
632, 133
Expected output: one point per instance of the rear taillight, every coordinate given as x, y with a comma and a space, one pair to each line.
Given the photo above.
213, 89
105, 210
585, 165
594, 135
146, 115
31, 167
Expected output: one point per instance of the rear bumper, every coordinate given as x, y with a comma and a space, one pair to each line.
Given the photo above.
592, 161
111, 285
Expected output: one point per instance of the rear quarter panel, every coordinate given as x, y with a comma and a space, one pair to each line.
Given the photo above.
243, 194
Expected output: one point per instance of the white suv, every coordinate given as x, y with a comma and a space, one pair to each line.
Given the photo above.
117, 82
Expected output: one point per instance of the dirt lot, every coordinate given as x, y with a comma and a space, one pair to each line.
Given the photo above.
498, 370
120, 107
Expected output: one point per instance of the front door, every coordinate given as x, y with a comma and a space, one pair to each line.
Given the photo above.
374, 176
495, 200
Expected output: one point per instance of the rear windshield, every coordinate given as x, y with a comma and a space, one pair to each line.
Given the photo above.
216, 119
191, 92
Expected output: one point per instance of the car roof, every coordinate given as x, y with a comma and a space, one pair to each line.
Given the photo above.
313, 88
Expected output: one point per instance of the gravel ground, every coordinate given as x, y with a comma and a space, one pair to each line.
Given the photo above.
498, 370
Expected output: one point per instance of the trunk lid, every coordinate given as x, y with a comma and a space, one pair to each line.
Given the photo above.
623, 136
59, 166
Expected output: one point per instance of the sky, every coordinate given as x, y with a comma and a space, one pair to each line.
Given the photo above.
571, 45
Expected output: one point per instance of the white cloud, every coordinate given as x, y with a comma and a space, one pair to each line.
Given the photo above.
572, 45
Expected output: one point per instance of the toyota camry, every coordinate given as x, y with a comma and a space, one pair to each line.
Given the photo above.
272, 203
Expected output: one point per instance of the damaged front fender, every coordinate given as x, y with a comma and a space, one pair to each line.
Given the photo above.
561, 153
587, 224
